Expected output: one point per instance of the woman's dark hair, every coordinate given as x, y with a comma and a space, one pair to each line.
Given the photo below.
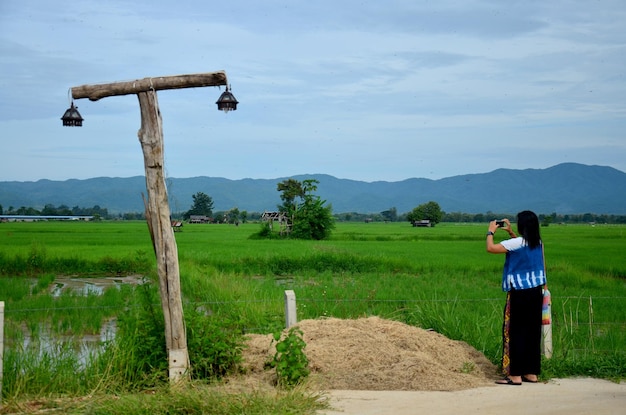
528, 227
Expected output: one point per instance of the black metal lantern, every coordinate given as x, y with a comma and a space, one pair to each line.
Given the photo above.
72, 117
227, 101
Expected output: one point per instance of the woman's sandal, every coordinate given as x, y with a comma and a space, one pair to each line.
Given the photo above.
525, 379
507, 381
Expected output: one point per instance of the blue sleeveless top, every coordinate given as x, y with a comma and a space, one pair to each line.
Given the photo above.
523, 267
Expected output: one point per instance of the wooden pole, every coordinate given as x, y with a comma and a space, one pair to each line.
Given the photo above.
157, 206
159, 223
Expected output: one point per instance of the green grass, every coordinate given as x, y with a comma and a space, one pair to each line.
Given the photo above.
195, 399
438, 278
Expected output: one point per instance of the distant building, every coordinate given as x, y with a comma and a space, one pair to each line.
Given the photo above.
424, 223
200, 219
36, 218
280, 217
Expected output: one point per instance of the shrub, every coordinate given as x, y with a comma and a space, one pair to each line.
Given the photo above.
214, 343
290, 360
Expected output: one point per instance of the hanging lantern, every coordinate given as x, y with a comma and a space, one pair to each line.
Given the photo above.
227, 101
72, 117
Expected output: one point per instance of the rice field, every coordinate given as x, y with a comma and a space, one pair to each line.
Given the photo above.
439, 278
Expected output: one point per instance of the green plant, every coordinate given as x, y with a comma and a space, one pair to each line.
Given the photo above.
138, 355
265, 232
309, 218
468, 367
215, 344
290, 361
36, 257
313, 220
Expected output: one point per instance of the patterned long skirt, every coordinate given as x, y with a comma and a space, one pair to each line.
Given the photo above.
506, 338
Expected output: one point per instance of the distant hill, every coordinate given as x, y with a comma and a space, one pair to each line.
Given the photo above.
567, 188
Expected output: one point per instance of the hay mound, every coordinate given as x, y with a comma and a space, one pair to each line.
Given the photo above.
376, 354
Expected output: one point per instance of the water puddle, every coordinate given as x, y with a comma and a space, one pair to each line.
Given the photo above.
91, 286
83, 348
43, 342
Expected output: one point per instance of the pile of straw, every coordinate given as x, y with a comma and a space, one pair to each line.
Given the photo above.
376, 354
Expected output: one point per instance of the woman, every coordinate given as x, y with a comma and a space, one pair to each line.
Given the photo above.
522, 279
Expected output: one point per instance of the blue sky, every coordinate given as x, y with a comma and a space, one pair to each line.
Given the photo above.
363, 90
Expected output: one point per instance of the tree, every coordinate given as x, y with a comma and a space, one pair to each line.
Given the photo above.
307, 213
30, 211
233, 216
49, 210
291, 189
427, 211
202, 206
390, 215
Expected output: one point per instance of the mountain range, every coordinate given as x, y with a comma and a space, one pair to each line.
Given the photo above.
567, 188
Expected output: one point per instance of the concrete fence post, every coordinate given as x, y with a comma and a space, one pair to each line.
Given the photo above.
291, 318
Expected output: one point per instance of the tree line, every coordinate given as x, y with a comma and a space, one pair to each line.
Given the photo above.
52, 210
203, 205
460, 217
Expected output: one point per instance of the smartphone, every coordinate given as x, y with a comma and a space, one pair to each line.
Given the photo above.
500, 223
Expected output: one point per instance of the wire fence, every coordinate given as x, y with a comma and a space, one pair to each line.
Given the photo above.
304, 301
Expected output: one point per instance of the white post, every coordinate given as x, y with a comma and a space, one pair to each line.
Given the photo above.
1, 347
546, 344
290, 309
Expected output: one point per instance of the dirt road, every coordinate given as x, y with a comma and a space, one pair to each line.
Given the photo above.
556, 397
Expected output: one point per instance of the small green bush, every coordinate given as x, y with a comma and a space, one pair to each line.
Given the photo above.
265, 232
214, 343
290, 361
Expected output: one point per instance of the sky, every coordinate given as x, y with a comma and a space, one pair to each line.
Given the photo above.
362, 90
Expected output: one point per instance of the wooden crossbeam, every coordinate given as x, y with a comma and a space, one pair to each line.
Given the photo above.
96, 91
